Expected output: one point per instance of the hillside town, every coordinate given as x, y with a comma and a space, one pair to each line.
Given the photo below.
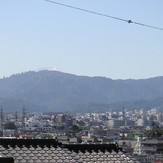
138, 132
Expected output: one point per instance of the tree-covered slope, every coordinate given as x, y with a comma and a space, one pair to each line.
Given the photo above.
57, 91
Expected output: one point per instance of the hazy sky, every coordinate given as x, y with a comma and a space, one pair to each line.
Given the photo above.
36, 34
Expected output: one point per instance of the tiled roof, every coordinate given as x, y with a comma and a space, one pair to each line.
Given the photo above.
61, 154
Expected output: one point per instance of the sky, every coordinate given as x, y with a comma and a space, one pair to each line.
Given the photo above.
35, 34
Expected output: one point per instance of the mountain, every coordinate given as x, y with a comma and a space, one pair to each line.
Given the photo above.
57, 91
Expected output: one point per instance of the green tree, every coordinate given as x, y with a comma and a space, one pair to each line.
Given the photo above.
75, 128
153, 133
10, 125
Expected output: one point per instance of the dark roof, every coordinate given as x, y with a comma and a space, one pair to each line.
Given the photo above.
6, 160
28, 142
58, 153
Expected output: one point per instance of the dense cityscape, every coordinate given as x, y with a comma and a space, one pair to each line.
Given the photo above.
138, 132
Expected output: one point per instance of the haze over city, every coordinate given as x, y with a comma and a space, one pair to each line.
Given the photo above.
68, 92
36, 34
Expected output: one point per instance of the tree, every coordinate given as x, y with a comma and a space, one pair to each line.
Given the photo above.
75, 128
10, 126
153, 133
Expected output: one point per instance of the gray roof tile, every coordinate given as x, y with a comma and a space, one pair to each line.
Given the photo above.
62, 155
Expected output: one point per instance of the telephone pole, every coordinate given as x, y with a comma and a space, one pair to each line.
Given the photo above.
1, 116
23, 118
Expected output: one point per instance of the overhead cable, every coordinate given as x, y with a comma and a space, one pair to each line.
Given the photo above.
104, 15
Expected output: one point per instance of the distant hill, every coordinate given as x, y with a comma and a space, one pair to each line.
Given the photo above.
57, 91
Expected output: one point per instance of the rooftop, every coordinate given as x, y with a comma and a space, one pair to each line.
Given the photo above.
49, 151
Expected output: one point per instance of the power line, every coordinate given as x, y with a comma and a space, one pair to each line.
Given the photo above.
104, 15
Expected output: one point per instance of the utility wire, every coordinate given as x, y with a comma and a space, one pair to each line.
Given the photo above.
104, 15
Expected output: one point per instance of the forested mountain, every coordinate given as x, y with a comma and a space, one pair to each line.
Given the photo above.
57, 91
